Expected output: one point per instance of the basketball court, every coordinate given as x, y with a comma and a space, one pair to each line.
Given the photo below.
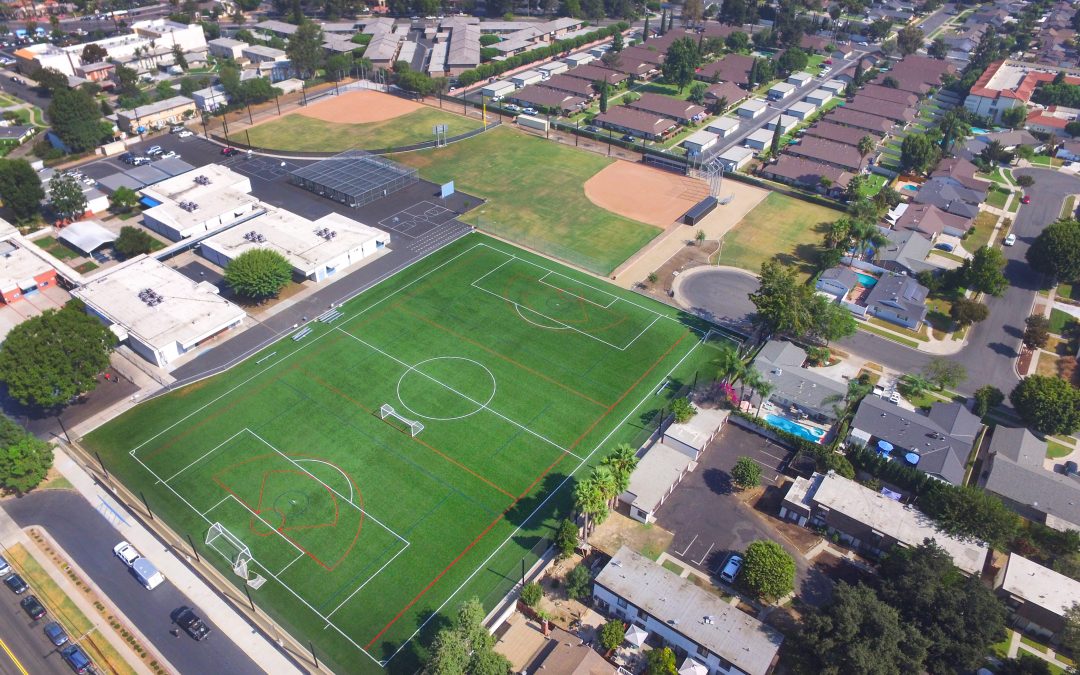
417, 220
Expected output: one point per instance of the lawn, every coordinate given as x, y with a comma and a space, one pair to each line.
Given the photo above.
1059, 320
1067, 291
523, 373
870, 328
56, 248
984, 227
302, 133
873, 184
997, 197
780, 226
1055, 450
536, 196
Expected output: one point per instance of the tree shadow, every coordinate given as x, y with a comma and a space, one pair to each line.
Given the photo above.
718, 481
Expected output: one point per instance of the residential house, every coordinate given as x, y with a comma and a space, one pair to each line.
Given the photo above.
876, 106
960, 172
568, 654
870, 522
945, 194
635, 122
930, 221
904, 252
696, 623
682, 112
1038, 598
815, 395
257, 54
1014, 471
571, 85
598, 74
836, 154
898, 97
211, 98
725, 93
918, 74
860, 120
839, 134
1069, 151
898, 299
734, 68
808, 174
546, 99
156, 115
940, 442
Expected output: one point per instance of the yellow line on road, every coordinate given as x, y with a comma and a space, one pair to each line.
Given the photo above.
12, 657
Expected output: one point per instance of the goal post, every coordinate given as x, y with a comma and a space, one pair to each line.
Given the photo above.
387, 410
230, 547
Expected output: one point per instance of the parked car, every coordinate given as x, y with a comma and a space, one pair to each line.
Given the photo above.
126, 552
55, 633
629, 138
1010, 239
140, 160
16, 584
186, 133
77, 659
229, 151
513, 108
1071, 468
529, 111
192, 624
1026, 199
5, 568
176, 128
127, 158
154, 151
172, 154
34, 609
731, 568
944, 246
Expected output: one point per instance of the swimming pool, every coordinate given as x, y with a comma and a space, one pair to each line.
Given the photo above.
912, 188
811, 434
865, 280
978, 131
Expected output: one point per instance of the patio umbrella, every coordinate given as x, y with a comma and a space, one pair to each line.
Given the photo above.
692, 667
885, 446
912, 458
636, 636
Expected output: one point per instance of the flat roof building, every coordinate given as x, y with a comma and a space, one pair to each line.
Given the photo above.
1038, 597
156, 115
22, 273
198, 201
316, 249
156, 310
688, 617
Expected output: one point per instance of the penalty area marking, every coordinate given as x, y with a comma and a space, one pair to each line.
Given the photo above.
524, 318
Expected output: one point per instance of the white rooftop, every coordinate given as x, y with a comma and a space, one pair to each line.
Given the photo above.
87, 235
804, 107
821, 93
18, 265
1040, 585
786, 87
188, 313
701, 137
698, 614
656, 472
295, 238
905, 524
697, 432
723, 124
222, 192
754, 104
762, 135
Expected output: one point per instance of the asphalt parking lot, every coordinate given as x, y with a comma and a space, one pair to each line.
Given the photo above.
710, 522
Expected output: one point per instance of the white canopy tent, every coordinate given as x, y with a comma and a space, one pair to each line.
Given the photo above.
692, 667
86, 235
636, 636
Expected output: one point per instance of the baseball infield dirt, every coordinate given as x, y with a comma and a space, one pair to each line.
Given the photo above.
649, 195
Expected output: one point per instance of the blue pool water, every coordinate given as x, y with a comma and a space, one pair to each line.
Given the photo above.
912, 188
865, 280
809, 433
979, 132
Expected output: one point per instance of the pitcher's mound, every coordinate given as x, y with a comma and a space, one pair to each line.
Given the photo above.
649, 195
358, 107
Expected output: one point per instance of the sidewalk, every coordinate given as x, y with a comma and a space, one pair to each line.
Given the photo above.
231, 623
11, 534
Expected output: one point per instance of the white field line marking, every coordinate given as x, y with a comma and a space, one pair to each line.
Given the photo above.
294, 561
478, 404
223, 499
495, 269
204, 456
361, 586
338, 469
316, 479
611, 302
268, 572
267, 524
483, 564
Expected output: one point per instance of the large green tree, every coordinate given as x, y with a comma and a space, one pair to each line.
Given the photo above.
76, 118
857, 633
132, 242
50, 80
958, 614
20, 188
1047, 404
746, 473
66, 198
305, 48
984, 271
918, 153
24, 463
768, 570
660, 661
47, 360
970, 513
680, 62
258, 273
909, 39
1055, 253
792, 60
466, 646
777, 300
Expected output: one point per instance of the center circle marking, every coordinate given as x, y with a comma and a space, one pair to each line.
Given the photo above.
479, 406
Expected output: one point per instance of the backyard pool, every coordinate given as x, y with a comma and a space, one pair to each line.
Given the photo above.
979, 132
912, 188
865, 280
811, 434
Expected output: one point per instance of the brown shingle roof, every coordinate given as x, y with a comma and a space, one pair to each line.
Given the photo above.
838, 154
594, 73
668, 107
570, 85
535, 94
807, 172
840, 134
732, 68
860, 120
875, 106
899, 96
646, 124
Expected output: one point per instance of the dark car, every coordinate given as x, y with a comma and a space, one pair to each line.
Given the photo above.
629, 138
55, 633
77, 659
34, 609
192, 624
229, 152
1071, 468
16, 584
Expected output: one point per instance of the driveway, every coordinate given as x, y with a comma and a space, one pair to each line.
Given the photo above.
88, 538
710, 522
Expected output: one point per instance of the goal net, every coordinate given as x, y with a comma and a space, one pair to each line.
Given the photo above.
387, 410
229, 546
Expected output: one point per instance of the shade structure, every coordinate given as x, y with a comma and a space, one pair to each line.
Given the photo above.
885, 446
692, 667
636, 636
912, 458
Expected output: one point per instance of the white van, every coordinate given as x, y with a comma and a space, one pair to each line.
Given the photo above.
147, 574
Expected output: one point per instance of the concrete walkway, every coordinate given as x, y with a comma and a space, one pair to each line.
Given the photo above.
1050, 656
231, 623
11, 534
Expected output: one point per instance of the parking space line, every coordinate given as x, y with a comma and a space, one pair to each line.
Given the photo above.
706, 554
689, 545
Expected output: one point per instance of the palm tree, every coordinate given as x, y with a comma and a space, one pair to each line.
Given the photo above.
866, 146
750, 378
728, 363
621, 462
866, 234
589, 503
952, 127
764, 388
606, 484
839, 233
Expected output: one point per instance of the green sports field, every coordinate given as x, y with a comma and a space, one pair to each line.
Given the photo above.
300, 133
522, 373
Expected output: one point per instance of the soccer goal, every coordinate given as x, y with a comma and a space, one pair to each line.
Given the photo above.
235, 551
387, 410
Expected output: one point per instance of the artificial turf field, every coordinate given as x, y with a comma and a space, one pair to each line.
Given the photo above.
522, 372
